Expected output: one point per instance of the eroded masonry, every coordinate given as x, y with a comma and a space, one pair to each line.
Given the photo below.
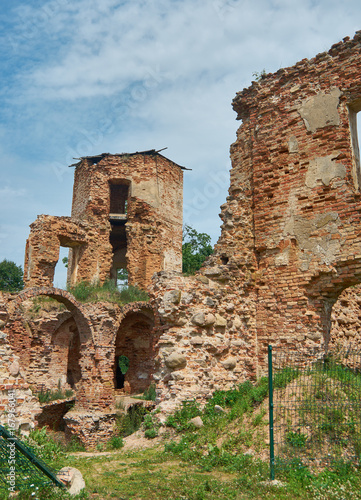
126, 214
289, 247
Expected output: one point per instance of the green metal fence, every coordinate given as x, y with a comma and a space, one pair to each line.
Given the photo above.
315, 407
20, 468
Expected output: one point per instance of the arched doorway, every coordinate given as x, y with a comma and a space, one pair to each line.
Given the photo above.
57, 340
135, 341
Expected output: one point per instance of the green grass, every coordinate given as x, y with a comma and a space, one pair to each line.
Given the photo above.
208, 463
42, 304
107, 292
324, 414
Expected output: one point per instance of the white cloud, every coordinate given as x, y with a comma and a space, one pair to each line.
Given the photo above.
84, 77
109, 47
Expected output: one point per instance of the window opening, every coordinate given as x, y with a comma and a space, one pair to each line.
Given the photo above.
61, 269
73, 368
118, 238
224, 259
122, 278
118, 198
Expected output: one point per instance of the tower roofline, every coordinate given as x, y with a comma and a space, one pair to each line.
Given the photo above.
150, 152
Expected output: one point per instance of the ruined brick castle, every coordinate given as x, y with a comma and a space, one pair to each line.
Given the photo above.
290, 244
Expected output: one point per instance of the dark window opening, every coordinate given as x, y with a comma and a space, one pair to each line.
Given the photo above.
119, 192
135, 341
73, 369
118, 199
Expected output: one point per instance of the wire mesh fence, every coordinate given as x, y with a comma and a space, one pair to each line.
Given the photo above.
316, 407
20, 468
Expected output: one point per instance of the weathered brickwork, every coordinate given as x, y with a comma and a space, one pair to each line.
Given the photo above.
77, 348
290, 241
294, 196
13, 384
289, 247
126, 214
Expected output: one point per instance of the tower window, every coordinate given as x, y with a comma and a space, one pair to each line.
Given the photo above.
118, 198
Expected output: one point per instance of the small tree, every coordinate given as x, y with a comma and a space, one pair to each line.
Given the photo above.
195, 249
11, 276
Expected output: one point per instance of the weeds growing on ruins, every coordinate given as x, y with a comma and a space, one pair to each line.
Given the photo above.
107, 292
226, 458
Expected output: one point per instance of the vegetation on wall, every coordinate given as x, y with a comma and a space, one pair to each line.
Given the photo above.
11, 276
107, 292
195, 249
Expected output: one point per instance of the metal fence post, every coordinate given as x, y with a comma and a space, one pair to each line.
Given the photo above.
271, 436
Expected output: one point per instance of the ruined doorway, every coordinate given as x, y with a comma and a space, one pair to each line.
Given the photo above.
65, 355
118, 208
119, 377
73, 373
135, 340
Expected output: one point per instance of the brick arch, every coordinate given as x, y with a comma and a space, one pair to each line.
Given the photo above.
138, 307
141, 308
81, 318
136, 337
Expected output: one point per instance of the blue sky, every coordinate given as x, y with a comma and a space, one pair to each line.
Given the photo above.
82, 77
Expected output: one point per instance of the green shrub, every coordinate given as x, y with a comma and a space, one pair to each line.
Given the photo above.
44, 396
11, 276
131, 421
151, 433
133, 294
123, 363
151, 426
115, 443
44, 446
180, 419
296, 439
149, 394
240, 399
282, 378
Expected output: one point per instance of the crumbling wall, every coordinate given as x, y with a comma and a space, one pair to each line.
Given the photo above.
75, 349
47, 234
136, 339
298, 135
152, 218
345, 334
144, 235
290, 240
290, 245
18, 407
206, 342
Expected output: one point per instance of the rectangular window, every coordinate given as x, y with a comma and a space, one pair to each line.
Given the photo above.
118, 198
